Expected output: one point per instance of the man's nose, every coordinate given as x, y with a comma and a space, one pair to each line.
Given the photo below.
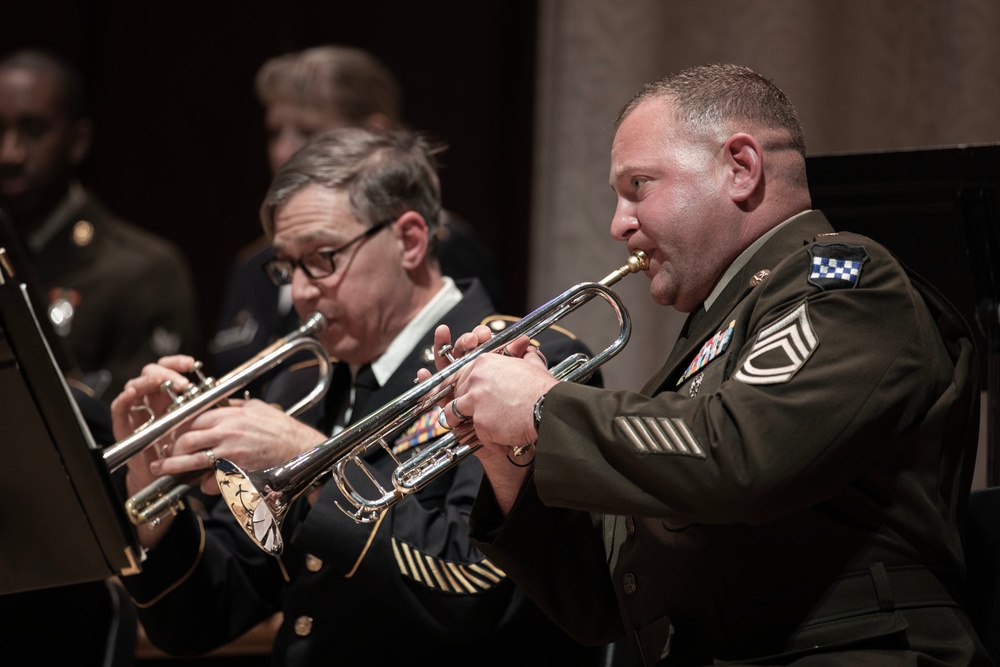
623, 222
12, 149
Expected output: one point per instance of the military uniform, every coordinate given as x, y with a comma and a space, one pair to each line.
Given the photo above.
118, 295
787, 486
408, 588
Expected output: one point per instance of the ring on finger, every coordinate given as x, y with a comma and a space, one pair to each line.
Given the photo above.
455, 411
442, 420
211, 457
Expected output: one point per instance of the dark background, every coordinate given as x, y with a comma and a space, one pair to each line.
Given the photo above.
180, 146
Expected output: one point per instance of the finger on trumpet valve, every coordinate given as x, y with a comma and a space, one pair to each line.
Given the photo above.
445, 352
150, 416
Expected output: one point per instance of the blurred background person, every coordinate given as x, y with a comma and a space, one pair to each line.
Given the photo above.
305, 93
118, 295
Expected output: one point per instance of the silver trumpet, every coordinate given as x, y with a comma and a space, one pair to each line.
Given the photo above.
166, 495
260, 499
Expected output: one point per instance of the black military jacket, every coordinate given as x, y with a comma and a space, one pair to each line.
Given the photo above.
119, 296
408, 588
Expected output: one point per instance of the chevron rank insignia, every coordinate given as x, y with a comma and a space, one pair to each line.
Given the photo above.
715, 346
836, 265
426, 428
780, 350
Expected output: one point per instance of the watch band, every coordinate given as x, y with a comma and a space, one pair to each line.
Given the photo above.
537, 412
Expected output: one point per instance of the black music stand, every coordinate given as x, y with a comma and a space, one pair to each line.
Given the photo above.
936, 209
63, 520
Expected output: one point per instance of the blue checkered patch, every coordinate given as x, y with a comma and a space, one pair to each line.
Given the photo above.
836, 265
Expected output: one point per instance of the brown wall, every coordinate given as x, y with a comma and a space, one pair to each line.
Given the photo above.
180, 143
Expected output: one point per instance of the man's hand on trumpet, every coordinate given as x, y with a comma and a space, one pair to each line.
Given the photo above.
251, 433
502, 412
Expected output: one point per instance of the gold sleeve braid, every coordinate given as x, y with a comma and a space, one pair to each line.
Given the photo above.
450, 577
185, 576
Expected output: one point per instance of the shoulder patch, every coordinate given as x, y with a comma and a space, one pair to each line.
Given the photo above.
836, 265
780, 350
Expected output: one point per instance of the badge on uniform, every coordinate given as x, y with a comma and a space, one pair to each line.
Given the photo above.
427, 427
715, 346
836, 265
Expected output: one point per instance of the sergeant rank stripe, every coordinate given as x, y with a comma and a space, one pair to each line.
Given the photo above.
660, 435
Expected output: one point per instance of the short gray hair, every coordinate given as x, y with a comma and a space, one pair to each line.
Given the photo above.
384, 174
723, 96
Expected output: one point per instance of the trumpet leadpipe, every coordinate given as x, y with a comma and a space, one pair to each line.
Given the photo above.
260, 499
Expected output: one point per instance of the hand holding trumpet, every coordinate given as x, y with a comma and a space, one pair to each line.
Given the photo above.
250, 431
497, 392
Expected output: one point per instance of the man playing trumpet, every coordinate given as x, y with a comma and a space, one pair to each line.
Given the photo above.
787, 489
352, 219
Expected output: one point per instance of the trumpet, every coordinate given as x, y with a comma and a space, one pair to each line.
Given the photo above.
166, 494
260, 499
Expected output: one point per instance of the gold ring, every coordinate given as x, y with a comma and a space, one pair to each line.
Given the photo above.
454, 409
211, 457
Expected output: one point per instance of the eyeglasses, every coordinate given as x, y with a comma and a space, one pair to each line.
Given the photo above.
318, 264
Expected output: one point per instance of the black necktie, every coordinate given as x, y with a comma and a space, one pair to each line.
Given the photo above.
365, 385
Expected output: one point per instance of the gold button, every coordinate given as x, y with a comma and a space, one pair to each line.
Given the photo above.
83, 233
313, 564
758, 277
303, 626
497, 325
628, 581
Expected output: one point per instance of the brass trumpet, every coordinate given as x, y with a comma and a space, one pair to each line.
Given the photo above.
166, 494
259, 499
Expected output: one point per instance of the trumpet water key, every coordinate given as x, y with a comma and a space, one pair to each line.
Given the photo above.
166, 495
260, 499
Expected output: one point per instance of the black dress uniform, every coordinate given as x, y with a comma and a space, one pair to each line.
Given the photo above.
787, 488
407, 589
120, 296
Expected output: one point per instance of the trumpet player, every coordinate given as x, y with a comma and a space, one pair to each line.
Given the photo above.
352, 219
787, 489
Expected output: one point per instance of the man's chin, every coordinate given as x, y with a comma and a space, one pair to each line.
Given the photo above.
12, 190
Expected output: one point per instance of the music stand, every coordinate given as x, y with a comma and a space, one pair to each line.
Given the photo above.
938, 209
63, 521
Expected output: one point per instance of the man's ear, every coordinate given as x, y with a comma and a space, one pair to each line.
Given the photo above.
82, 136
413, 232
378, 122
746, 165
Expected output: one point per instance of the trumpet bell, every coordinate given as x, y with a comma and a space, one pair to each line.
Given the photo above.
257, 507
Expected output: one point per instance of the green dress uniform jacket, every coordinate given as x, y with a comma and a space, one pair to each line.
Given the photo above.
789, 485
407, 589
119, 296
